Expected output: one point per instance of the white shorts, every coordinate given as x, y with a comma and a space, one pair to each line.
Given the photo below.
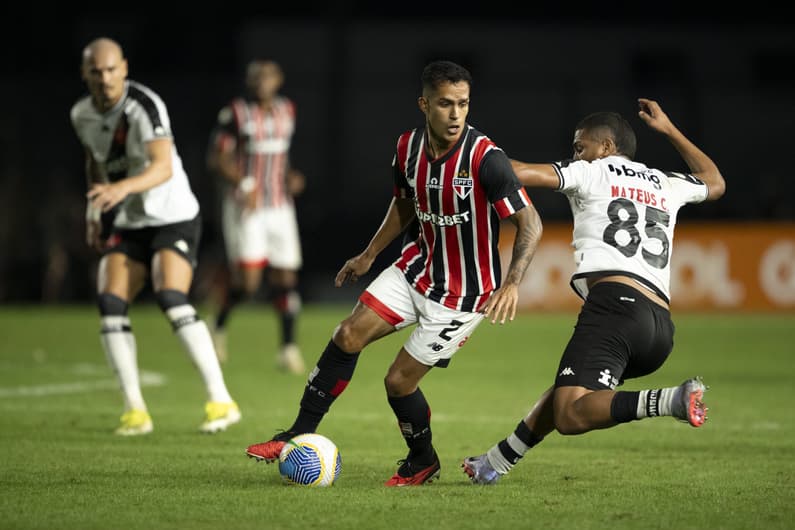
265, 236
440, 331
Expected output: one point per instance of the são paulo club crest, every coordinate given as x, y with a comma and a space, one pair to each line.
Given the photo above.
462, 184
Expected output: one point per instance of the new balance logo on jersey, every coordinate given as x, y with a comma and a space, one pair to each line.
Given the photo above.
435, 346
566, 371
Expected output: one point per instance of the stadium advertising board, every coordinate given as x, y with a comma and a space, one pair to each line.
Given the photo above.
720, 266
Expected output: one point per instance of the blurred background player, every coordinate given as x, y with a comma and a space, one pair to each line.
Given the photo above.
133, 167
250, 150
624, 217
459, 186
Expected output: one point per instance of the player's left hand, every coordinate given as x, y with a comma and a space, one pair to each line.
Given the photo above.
502, 304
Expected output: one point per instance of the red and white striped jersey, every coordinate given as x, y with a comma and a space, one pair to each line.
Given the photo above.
459, 200
261, 140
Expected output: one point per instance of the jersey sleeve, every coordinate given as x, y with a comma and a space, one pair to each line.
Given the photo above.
151, 119
499, 182
225, 132
573, 174
402, 189
689, 188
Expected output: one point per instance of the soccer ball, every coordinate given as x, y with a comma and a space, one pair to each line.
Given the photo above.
310, 460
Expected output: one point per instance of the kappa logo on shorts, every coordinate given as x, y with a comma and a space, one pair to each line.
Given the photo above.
566, 371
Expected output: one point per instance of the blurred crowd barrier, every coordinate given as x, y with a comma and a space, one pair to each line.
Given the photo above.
714, 266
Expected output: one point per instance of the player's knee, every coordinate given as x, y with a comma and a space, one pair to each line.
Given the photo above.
395, 384
177, 307
168, 298
346, 337
110, 304
567, 421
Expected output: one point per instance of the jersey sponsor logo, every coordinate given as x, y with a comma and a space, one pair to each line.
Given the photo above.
270, 146
462, 184
646, 175
442, 220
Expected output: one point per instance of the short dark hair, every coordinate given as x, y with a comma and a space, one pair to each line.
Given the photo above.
614, 124
437, 72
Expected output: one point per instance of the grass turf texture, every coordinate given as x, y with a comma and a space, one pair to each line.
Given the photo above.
62, 467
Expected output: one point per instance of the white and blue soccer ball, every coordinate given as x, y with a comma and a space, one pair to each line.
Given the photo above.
310, 460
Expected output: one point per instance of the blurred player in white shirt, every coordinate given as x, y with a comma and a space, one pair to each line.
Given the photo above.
135, 174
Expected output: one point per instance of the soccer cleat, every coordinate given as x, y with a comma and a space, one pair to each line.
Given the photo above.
269, 451
219, 416
290, 359
219, 343
688, 405
135, 422
479, 470
409, 474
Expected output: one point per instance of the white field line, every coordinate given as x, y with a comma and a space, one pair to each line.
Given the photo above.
147, 378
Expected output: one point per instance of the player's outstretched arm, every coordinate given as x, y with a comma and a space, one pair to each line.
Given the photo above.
535, 175
700, 164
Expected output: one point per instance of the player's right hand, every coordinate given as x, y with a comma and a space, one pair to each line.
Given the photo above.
354, 268
652, 114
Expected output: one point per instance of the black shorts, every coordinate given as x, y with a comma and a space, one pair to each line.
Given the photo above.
620, 334
141, 244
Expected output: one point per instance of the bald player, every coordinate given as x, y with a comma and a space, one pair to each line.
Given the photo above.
144, 219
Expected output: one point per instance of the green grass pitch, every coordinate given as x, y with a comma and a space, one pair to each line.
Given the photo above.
62, 468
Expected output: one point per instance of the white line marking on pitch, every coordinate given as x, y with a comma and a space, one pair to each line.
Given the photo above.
79, 387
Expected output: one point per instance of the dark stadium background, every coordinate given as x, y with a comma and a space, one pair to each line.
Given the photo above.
727, 80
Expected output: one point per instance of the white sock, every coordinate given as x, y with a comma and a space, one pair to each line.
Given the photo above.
196, 340
120, 352
656, 402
